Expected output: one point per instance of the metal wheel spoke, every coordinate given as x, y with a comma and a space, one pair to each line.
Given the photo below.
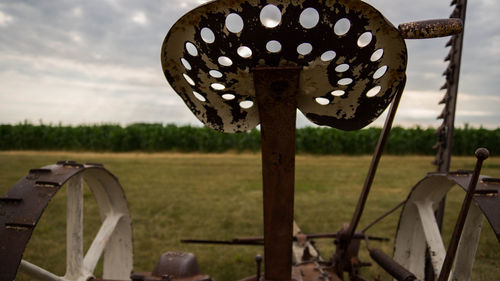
432, 234
38, 272
467, 247
74, 228
100, 241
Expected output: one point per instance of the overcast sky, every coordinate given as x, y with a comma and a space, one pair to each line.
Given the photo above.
98, 61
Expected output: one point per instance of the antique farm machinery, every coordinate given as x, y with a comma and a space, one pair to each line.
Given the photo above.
238, 64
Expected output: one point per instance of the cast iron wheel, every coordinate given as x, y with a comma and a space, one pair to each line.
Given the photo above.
23, 205
418, 229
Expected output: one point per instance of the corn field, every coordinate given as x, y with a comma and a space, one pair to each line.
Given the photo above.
160, 138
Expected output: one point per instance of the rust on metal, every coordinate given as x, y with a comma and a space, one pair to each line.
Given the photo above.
69, 163
276, 97
345, 258
431, 28
353, 60
311, 270
315, 271
22, 206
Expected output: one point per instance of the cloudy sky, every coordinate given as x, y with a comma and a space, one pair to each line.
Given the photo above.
98, 61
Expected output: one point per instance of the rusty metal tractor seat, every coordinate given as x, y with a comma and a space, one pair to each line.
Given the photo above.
352, 60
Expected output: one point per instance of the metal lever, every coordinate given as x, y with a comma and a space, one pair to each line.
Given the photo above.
481, 155
363, 197
431, 28
395, 269
258, 260
259, 241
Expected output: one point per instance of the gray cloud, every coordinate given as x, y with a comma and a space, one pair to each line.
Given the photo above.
98, 61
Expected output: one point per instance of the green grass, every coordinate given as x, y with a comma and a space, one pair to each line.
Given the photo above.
218, 196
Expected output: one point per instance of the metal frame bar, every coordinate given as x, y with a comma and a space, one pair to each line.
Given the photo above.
275, 89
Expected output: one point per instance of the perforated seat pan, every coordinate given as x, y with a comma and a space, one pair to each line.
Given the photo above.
222, 95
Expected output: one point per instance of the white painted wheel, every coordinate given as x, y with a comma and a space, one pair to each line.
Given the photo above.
113, 241
418, 230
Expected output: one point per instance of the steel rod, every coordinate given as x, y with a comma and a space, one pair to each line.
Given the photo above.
383, 216
259, 241
373, 166
481, 155
38, 272
225, 242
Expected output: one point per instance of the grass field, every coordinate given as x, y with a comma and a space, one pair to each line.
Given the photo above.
218, 196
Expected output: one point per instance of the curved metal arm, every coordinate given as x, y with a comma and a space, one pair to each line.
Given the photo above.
431, 28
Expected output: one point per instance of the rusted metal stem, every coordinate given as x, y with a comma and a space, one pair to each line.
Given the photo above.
373, 167
481, 155
356, 236
255, 242
431, 28
259, 241
275, 89
258, 260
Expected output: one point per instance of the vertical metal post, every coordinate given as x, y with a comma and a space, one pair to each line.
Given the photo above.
275, 89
